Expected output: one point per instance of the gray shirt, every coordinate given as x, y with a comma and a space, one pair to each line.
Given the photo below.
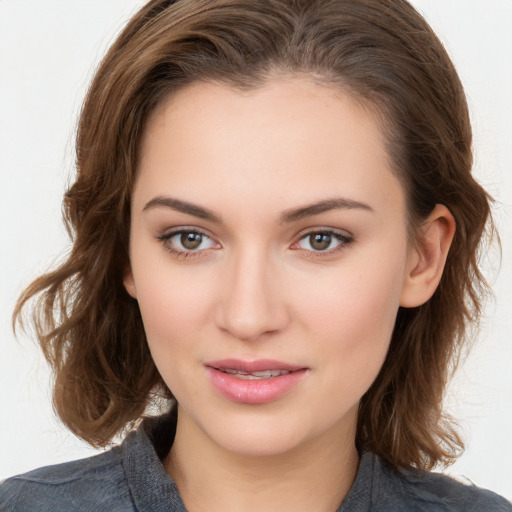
130, 477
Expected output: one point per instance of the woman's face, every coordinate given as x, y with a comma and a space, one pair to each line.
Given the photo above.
269, 256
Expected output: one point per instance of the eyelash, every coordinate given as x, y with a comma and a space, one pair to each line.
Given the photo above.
166, 238
344, 242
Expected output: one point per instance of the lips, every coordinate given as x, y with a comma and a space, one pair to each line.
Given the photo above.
265, 374
254, 382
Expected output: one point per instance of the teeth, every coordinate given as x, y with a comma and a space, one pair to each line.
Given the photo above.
265, 374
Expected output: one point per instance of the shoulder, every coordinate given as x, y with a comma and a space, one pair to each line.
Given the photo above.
126, 478
425, 491
92, 484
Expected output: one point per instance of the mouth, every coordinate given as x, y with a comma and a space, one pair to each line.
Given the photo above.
254, 382
259, 369
265, 374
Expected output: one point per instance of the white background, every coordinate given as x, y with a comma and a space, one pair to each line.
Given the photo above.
48, 51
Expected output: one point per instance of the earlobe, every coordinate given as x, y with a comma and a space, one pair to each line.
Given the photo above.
428, 257
129, 282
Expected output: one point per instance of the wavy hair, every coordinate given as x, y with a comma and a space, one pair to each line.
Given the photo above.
384, 54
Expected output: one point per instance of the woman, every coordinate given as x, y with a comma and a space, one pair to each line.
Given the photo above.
275, 230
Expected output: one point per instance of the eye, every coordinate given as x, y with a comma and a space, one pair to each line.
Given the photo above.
323, 241
185, 242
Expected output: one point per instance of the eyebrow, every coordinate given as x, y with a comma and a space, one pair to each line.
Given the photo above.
183, 207
288, 216
326, 205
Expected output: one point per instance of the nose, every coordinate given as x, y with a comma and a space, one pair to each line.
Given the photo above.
251, 302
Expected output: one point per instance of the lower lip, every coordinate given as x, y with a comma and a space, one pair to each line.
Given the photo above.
259, 391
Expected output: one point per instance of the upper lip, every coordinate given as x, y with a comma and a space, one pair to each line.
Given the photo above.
258, 365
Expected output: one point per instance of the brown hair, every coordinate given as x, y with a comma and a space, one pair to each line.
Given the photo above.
383, 53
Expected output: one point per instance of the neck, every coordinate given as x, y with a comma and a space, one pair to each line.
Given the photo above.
314, 476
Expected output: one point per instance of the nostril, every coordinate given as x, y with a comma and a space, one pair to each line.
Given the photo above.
250, 304
252, 326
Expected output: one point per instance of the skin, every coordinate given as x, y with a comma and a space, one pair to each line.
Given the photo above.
260, 288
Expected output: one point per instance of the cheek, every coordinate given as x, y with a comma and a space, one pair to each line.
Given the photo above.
353, 310
173, 303
352, 328
173, 309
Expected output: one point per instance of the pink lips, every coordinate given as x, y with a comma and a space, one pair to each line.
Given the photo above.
255, 382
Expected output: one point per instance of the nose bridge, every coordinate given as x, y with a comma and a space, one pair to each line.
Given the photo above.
251, 304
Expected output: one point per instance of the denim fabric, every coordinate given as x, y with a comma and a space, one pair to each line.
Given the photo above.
131, 477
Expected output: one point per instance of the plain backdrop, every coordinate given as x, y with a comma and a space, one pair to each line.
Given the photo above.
48, 52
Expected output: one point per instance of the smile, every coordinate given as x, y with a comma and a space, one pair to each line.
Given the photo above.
256, 382
266, 374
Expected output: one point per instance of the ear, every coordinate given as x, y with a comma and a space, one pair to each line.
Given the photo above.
427, 258
129, 282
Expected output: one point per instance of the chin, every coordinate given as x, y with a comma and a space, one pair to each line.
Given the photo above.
254, 431
262, 442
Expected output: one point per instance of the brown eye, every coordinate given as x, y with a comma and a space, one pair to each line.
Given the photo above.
323, 242
320, 241
190, 240
187, 242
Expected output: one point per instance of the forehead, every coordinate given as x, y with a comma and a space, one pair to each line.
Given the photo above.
289, 141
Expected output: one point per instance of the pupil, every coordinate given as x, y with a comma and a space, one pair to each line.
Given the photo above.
191, 240
320, 241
